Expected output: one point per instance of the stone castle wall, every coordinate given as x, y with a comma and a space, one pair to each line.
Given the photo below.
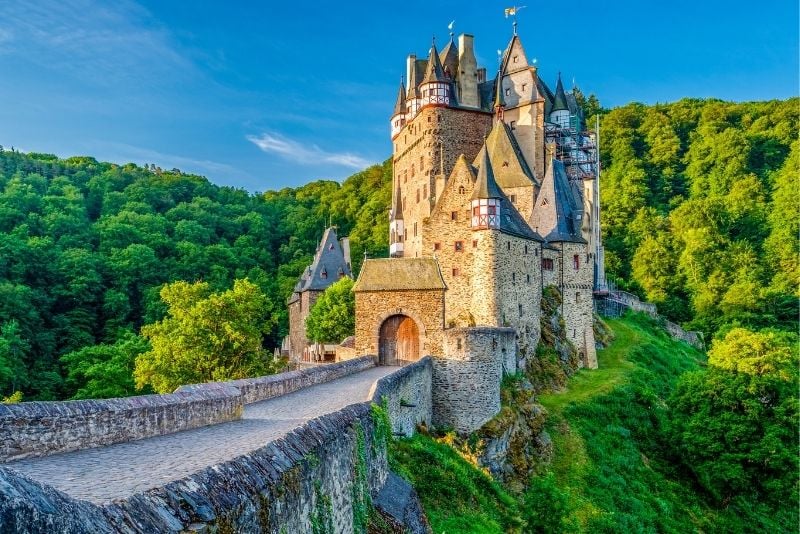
428, 144
407, 396
298, 313
425, 307
466, 382
576, 287
32, 429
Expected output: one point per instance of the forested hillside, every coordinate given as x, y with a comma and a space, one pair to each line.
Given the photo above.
700, 216
701, 209
86, 246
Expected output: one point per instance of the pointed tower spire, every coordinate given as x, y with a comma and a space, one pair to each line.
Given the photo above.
556, 213
434, 72
485, 184
487, 196
400, 103
499, 102
560, 101
397, 205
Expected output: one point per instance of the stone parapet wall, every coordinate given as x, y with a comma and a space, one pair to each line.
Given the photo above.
303, 482
270, 386
466, 382
407, 396
32, 429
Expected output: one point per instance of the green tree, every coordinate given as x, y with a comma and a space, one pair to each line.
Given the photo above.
735, 424
332, 318
106, 370
13, 350
206, 336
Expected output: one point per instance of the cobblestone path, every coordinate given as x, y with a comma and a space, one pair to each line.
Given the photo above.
118, 471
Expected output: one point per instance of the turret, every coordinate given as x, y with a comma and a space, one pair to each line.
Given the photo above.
559, 114
486, 197
499, 102
435, 87
399, 115
396, 226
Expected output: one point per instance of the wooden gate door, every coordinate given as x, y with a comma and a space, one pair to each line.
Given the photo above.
399, 341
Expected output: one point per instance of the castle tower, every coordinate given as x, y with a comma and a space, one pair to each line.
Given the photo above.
437, 129
523, 106
399, 115
331, 262
396, 226
485, 202
560, 114
557, 217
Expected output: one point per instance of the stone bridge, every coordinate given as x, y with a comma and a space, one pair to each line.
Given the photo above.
288, 453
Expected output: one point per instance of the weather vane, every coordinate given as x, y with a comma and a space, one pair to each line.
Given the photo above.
450, 27
512, 12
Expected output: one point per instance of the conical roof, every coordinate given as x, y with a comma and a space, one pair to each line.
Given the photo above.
555, 215
400, 103
434, 71
397, 205
449, 59
560, 100
499, 102
485, 184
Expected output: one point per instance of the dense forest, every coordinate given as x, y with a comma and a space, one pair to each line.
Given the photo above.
700, 216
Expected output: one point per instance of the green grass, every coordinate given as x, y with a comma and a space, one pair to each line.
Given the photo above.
611, 459
457, 496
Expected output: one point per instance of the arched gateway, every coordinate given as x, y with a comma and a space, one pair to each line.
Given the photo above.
398, 341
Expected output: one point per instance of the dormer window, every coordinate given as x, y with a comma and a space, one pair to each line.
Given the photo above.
323, 274
330, 247
508, 92
515, 58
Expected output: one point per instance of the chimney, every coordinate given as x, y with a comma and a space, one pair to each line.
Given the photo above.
467, 76
345, 244
411, 77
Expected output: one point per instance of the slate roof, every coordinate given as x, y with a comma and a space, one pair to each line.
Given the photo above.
560, 100
485, 184
400, 103
328, 266
555, 212
449, 58
397, 205
398, 274
511, 222
508, 163
434, 71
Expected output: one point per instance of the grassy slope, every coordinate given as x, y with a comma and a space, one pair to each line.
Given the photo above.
609, 456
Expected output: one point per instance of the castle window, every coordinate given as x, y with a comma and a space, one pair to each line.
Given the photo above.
547, 264
513, 124
526, 249
323, 274
528, 278
536, 252
576, 262
330, 247
513, 198
545, 202
474, 243
513, 277
437, 246
524, 86
461, 190
458, 246
505, 164
456, 272
429, 118
458, 343
508, 92
453, 215
421, 160
405, 234
577, 297
515, 59
508, 245
415, 229
412, 170
520, 310
417, 196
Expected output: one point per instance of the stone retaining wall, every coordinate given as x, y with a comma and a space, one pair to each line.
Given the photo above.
32, 429
407, 396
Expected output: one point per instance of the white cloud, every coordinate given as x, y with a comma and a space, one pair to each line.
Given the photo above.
273, 143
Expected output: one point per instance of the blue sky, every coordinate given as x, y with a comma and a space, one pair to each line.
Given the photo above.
264, 96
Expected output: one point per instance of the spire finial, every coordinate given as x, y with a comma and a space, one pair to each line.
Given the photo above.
450, 27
